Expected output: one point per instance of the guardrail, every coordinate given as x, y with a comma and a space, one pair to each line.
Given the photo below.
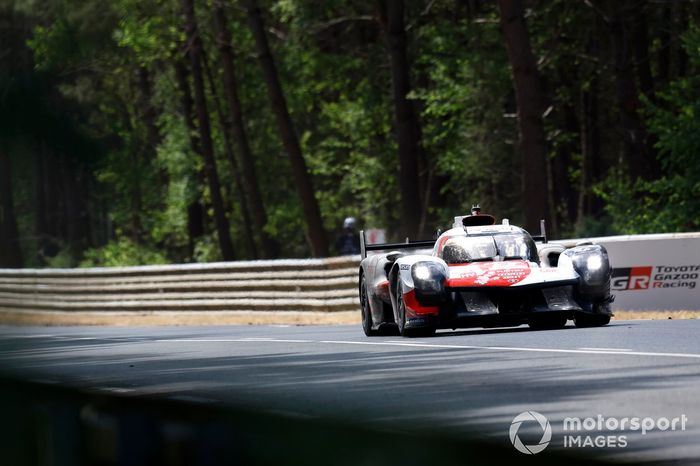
322, 285
651, 272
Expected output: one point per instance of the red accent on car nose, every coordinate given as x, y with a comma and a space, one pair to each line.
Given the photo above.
412, 304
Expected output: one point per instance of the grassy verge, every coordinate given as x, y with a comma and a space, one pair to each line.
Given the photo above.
656, 315
178, 318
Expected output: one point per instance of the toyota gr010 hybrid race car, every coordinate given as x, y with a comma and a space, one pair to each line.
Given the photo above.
481, 274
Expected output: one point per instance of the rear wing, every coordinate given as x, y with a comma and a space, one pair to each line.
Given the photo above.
364, 247
543, 233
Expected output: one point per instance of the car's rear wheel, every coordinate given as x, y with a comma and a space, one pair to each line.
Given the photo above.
548, 321
583, 320
367, 322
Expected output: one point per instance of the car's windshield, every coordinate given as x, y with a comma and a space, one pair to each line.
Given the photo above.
516, 246
505, 246
462, 249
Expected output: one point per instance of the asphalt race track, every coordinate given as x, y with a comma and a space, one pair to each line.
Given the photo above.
473, 381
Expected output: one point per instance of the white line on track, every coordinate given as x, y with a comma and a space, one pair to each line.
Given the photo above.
235, 340
280, 340
597, 351
28, 336
606, 349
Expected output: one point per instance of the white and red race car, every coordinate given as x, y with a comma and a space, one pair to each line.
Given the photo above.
480, 274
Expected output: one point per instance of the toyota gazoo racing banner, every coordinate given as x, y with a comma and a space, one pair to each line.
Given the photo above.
655, 272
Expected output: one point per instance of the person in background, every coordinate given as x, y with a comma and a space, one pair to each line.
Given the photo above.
348, 243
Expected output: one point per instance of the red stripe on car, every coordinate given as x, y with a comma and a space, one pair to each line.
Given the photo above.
412, 304
505, 273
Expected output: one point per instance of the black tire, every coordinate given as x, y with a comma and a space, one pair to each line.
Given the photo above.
401, 318
367, 321
582, 320
400, 310
548, 322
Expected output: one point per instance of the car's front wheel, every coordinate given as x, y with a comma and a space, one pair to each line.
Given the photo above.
401, 318
400, 309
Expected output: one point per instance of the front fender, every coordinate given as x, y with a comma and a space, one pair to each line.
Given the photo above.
429, 284
592, 264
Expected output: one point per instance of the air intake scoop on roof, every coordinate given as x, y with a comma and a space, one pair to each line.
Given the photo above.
478, 220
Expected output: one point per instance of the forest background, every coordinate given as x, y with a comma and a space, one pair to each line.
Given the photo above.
136, 132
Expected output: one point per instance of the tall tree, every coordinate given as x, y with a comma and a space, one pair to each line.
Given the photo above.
407, 125
528, 94
249, 179
195, 210
637, 154
228, 149
207, 147
589, 137
663, 64
640, 40
10, 252
148, 111
317, 234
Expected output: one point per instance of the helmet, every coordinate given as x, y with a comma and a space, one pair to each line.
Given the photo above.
349, 223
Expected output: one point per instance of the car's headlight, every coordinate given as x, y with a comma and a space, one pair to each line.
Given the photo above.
424, 272
594, 262
429, 281
421, 271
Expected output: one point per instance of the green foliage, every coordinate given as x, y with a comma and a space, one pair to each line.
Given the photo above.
672, 202
465, 133
65, 258
93, 115
206, 249
147, 29
122, 252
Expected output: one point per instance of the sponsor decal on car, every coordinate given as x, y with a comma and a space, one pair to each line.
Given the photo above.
489, 274
655, 277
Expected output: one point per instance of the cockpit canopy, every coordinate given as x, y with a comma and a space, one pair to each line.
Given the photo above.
510, 245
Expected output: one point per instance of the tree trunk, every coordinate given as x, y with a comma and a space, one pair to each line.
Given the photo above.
186, 103
316, 232
638, 158
49, 202
247, 163
588, 131
565, 195
680, 24
242, 198
641, 51
195, 55
195, 210
148, 111
10, 251
664, 53
528, 94
407, 126
589, 148
41, 188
